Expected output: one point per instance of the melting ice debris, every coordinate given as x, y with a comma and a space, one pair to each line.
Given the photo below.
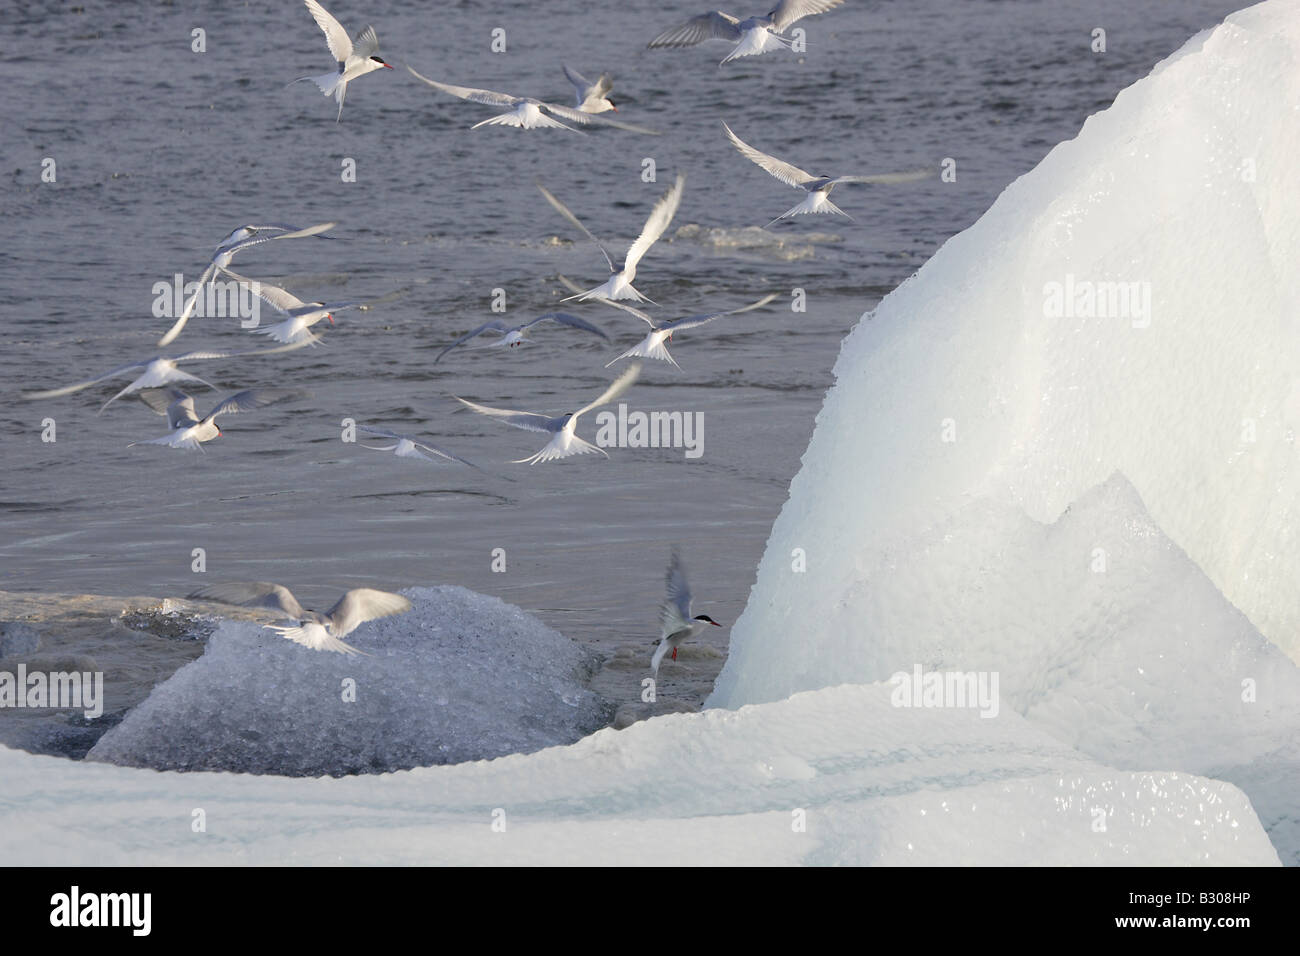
677, 624
461, 676
354, 59
320, 632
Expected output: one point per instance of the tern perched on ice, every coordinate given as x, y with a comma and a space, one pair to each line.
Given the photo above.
240, 239
565, 441
591, 97
676, 623
300, 316
188, 431
752, 36
619, 283
653, 345
408, 447
354, 59
320, 632
512, 336
818, 187
154, 372
526, 112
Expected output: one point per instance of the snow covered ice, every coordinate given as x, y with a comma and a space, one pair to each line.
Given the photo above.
460, 676
1063, 452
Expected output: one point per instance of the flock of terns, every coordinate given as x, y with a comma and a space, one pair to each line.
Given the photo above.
156, 377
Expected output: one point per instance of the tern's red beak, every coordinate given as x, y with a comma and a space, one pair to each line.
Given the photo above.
330, 317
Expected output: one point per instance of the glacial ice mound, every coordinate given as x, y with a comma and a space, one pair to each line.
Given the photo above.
1129, 308
461, 676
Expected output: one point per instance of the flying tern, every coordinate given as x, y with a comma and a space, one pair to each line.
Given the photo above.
188, 431
564, 441
320, 632
619, 283
591, 97
676, 622
512, 336
300, 316
239, 239
751, 36
354, 59
654, 344
408, 447
153, 372
818, 187
526, 112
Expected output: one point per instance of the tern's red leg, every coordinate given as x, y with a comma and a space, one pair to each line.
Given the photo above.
674, 653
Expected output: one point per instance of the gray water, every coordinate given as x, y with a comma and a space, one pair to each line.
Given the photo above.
161, 151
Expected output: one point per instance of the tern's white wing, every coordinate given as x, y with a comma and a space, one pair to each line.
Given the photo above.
565, 318
678, 591
441, 452
496, 325
786, 12
660, 216
364, 604
567, 213
911, 176
254, 398
69, 389
580, 83
275, 597
694, 321
469, 93
616, 388
279, 299
170, 335
574, 287
589, 119
707, 26
529, 421
320, 227
367, 44
335, 36
788, 173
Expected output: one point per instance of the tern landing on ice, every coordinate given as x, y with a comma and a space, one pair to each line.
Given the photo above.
354, 59
676, 623
818, 187
241, 238
751, 36
512, 336
526, 112
591, 97
619, 283
565, 441
188, 431
320, 632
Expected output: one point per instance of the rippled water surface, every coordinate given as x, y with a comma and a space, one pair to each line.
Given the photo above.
160, 151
